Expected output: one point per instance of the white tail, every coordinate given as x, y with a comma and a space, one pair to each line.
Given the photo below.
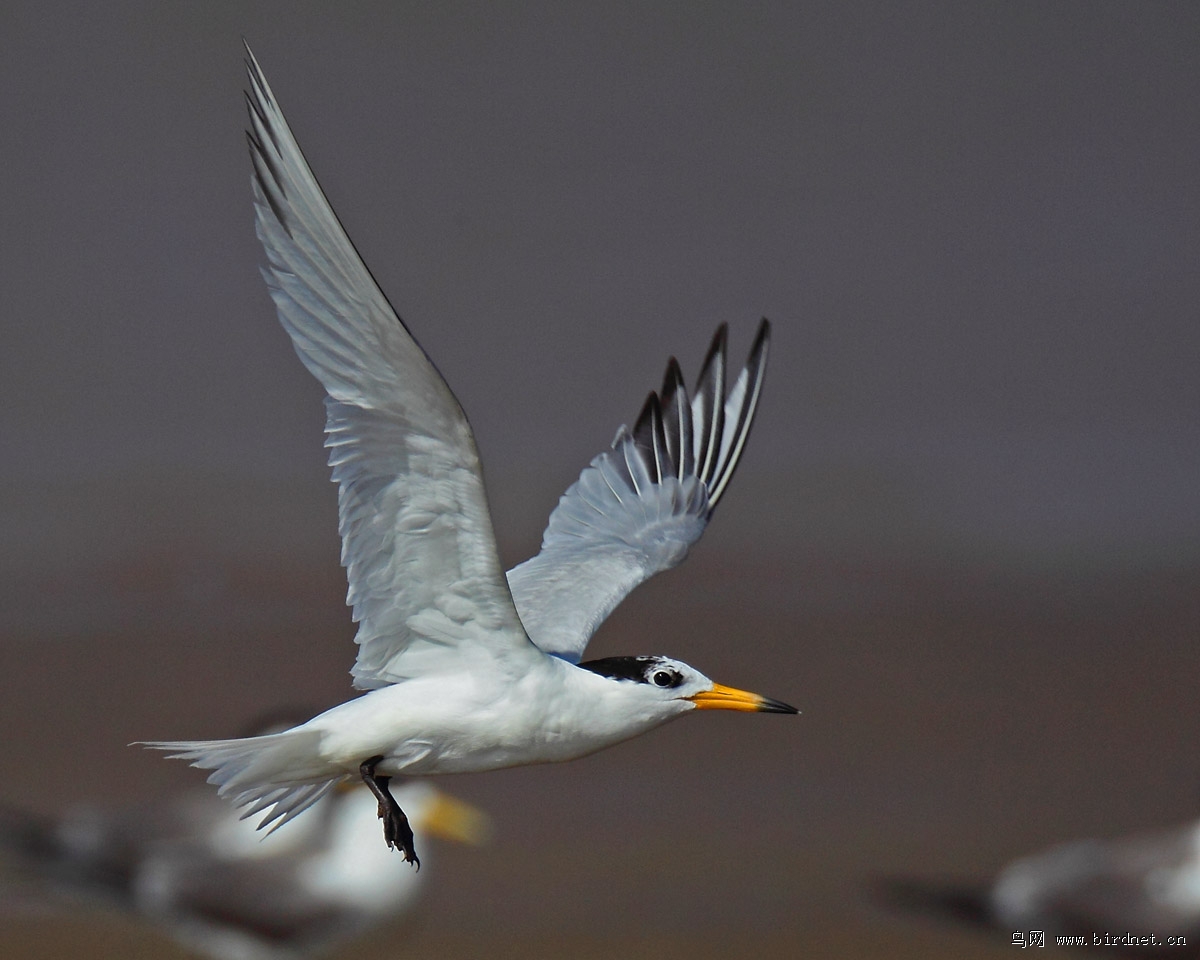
279, 771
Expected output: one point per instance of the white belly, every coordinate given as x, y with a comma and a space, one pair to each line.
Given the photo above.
462, 723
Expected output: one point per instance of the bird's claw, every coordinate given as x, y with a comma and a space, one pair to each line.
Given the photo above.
398, 835
396, 831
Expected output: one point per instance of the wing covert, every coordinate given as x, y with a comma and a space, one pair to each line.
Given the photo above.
637, 508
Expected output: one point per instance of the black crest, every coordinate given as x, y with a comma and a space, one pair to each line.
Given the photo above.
638, 669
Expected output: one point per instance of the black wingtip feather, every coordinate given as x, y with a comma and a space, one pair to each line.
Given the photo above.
641, 426
255, 110
704, 435
648, 436
677, 420
709, 419
661, 455
753, 373
715, 348
762, 337
253, 70
672, 381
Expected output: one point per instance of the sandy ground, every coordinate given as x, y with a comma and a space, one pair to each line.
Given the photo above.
953, 718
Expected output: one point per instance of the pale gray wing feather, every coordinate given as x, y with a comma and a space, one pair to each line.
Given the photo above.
638, 507
417, 540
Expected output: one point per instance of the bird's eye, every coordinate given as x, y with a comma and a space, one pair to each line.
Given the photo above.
666, 678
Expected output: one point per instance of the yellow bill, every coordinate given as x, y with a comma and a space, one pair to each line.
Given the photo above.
727, 698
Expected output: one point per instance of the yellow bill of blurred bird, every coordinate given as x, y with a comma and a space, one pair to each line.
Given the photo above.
467, 670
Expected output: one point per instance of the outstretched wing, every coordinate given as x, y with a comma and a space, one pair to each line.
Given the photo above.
637, 508
417, 542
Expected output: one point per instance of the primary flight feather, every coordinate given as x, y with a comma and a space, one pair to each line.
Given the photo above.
466, 669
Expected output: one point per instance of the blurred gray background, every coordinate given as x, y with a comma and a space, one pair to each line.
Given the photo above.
964, 539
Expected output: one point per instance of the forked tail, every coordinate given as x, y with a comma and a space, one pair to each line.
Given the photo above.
278, 772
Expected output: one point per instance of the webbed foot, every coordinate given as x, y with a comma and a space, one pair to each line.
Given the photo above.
396, 829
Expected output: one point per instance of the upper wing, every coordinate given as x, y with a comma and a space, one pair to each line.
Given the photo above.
417, 539
635, 511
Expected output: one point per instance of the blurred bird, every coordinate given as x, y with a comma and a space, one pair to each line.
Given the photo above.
466, 670
206, 878
1097, 890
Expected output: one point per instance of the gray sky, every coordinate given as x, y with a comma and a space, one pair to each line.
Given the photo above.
976, 229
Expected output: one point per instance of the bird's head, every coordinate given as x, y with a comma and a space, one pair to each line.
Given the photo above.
677, 684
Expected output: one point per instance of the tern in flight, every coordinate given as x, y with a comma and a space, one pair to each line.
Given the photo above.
466, 670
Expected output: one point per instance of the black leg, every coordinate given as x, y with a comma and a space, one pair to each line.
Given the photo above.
396, 830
